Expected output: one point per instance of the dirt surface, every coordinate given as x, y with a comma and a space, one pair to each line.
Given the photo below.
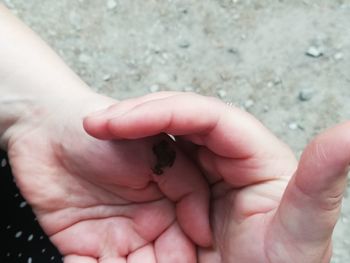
287, 62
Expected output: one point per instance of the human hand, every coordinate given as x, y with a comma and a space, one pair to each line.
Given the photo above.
98, 200
264, 206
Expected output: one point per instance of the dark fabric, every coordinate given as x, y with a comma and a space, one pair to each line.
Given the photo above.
22, 239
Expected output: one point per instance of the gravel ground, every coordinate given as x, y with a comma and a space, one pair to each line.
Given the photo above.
287, 62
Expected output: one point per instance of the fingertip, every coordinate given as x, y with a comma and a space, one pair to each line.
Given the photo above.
312, 201
97, 127
114, 126
193, 216
325, 161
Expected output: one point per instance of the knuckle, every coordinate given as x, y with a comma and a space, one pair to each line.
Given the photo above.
332, 202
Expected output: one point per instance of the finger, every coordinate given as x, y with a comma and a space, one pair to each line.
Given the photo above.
227, 131
79, 259
95, 123
173, 246
311, 204
144, 254
183, 184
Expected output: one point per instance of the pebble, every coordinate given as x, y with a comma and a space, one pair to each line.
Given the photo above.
165, 56
248, 103
305, 94
225, 76
184, 11
314, 52
344, 219
232, 50
188, 89
154, 88
106, 77
277, 81
184, 44
84, 58
222, 93
338, 56
111, 4
270, 84
293, 126
274, 82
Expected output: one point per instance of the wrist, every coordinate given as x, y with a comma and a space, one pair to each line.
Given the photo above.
11, 110
22, 113
35, 83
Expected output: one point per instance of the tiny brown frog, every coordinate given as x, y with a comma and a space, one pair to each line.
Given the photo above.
165, 156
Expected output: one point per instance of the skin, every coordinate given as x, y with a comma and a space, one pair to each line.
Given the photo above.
99, 201
265, 207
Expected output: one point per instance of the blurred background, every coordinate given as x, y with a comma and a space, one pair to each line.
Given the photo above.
286, 62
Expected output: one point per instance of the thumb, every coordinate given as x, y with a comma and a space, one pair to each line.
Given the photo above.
311, 204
